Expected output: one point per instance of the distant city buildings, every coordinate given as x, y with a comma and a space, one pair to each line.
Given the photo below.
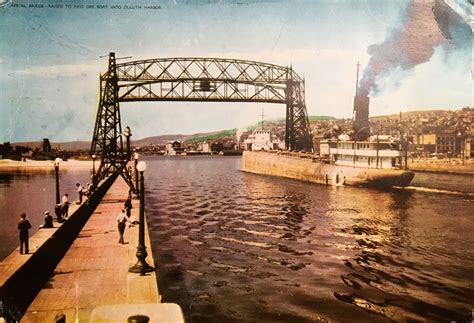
435, 133
42, 151
441, 133
8, 151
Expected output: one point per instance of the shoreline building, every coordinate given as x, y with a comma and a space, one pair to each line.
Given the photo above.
263, 140
174, 148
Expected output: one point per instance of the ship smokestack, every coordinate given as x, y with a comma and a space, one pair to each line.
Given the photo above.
360, 122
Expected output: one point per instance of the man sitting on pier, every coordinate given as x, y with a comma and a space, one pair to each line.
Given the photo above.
48, 221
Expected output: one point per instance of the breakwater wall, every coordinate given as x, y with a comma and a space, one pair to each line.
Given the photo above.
21, 287
440, 167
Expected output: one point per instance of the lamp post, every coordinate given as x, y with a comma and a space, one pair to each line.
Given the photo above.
141, 266
93, 164
128, 134
135, 158
94, 156
56, 170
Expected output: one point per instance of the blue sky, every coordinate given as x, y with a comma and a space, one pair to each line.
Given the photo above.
50, 65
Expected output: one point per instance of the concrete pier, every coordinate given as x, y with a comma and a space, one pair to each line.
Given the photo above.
91, 283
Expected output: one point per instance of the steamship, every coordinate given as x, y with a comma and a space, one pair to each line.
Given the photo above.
358, 159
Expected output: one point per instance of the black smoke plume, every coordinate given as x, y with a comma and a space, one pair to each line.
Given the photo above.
426, 25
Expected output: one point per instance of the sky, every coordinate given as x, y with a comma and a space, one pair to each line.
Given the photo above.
50, 59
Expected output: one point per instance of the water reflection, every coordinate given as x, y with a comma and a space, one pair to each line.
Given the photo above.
384, 279
5, 179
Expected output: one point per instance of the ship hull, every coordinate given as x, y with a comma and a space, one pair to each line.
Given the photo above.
306, 169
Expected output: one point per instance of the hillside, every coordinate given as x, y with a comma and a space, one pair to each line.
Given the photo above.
277, 124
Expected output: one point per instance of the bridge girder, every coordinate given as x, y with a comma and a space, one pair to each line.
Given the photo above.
201, 90
195, 68
195, 79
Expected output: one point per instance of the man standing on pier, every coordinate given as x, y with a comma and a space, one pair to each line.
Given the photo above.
122, 219
65, 205
23, 225
80, 191
128, 205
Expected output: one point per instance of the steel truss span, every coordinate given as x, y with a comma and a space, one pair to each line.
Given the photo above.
203, 79
195, 79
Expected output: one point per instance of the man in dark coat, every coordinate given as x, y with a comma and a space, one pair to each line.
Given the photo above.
23, 226
128, 206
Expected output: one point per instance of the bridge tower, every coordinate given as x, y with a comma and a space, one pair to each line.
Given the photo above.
107, 138
297, 130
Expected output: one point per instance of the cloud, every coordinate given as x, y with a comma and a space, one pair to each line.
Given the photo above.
61, 70
1, 60
291, 56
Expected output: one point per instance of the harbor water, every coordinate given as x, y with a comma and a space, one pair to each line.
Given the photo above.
236, 247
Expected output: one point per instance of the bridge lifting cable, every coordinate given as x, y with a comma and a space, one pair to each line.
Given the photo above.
193, 79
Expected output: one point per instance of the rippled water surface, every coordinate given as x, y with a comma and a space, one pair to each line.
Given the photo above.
234, 247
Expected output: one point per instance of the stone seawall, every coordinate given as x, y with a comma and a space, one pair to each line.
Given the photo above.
439, 167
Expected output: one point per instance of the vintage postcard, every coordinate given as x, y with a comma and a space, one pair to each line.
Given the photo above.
236, 160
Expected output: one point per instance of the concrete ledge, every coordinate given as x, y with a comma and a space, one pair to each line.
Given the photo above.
141, 289
163, 313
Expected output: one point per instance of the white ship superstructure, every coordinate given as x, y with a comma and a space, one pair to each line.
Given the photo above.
377, 152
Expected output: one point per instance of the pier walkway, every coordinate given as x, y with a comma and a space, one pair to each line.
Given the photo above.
92, 283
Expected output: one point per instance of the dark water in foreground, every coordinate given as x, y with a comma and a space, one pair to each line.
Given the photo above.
237, 247
233, 247
32, 193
